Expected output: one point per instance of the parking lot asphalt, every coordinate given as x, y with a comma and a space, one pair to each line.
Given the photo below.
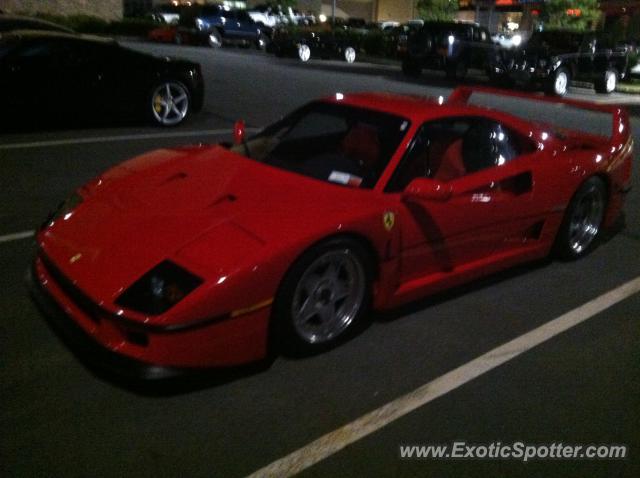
59, 418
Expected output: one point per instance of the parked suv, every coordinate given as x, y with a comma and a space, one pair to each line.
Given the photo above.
213, 25
453, 47
552, 59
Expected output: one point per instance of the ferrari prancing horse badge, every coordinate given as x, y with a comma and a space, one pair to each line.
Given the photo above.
388, 219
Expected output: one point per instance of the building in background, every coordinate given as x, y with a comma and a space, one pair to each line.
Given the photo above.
497, 15
106, 9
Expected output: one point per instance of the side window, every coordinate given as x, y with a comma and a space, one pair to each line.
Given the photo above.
449, 149
485, 145
243, 16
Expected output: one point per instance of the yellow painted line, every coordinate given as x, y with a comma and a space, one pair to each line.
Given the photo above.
337, 440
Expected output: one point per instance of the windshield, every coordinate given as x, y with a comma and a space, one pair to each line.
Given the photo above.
336, 143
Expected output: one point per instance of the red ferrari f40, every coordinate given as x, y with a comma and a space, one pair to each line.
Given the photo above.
208, 256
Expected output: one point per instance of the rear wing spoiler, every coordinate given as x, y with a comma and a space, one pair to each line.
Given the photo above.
620, 130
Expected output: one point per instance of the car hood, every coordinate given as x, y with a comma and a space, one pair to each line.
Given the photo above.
208, 207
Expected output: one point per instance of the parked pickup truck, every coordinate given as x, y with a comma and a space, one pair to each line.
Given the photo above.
214, 25
449, 46
552, 59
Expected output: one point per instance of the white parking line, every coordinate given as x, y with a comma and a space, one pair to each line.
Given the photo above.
16, 236
126, 137
335, 441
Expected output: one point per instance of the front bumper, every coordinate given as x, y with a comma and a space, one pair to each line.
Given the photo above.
144, 352
529, 75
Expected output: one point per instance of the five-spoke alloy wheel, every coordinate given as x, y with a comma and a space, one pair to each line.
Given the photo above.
323, 296
170, 103
583, 220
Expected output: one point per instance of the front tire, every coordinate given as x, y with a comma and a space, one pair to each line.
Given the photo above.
169, 103
559, 82
582, 223
323, 297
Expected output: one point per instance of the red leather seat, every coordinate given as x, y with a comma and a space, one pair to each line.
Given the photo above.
362, 145
449, 164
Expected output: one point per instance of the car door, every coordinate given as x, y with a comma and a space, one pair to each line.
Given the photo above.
86, 65
34, 80
481, 48
116, 79
586, 57
236, 26
247, 28
489, 171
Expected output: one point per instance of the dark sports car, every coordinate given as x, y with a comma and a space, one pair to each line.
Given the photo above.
209, 256
47, 76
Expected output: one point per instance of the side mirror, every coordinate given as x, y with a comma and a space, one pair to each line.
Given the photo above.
423, 189
238, 132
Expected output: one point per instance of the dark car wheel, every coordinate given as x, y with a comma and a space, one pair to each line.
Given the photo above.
323, 297
304, 52
411, 67
349, 54
558, 83
262, 42
169, 103
608, 83
582, 221
214, 39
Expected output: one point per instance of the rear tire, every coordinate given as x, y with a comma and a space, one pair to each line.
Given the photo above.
582, 223
169, 103
323, 298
